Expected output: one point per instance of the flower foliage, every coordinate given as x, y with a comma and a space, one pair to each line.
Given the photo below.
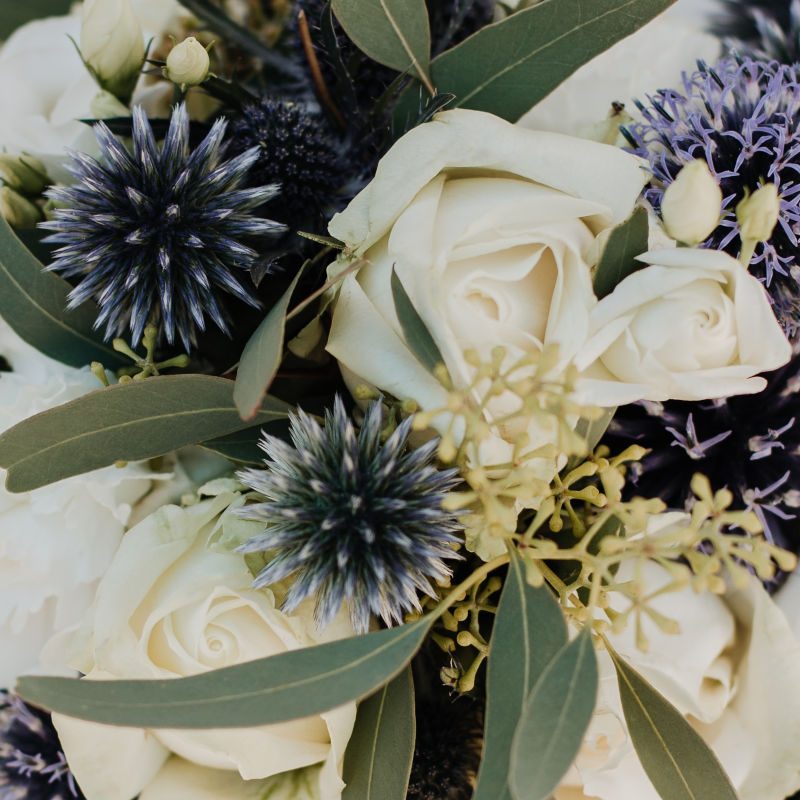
156, 234
763, 29
742, 118
353, 518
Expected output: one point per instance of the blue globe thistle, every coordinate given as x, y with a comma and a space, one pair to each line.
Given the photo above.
749, 444
32, 763
764, 29
156, 234
353, 518
743, 118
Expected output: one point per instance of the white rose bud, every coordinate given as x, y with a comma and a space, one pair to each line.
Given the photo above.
758, 214
188, 63
24, 174
16, 210
112, 45
692, 204
106, 106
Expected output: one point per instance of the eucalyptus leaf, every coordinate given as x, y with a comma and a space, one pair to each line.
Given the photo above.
242, 446
377, 762
33, 302
262, 357
618, 260
529, 631
678, 762
508, 67
130, 422
395, 33
554, 721
416, 334
292, 685
15, 13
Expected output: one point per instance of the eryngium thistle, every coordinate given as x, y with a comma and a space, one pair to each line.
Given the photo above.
749, 444
743, 118
32, 764
157, 233
354, 520
763, 29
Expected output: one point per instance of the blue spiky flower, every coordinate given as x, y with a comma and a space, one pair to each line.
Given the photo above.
743, 118
156, 234
763, 29
354, 519
32, 763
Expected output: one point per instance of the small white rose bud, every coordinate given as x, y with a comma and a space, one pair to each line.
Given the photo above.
758, 214
187, 63
692, 204
24, 174
18, 211
105, 106
112, 45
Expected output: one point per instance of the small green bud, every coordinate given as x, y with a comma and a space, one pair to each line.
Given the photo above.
692, 204
188, 63
24, 174
758, 214
17, 211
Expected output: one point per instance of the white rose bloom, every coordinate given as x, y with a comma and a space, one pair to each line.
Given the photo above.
638, 65
175, 603
492, 230
732, 671
55, 542
693, 325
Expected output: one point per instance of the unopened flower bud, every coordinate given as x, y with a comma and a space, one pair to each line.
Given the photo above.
106, 106
24, 174
112, 45
692, 204
18, 211
188, 63
758, 214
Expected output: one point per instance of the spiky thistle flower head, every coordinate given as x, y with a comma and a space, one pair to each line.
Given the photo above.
354, 519
763, 29
32, 763
155, 235
749, 444
742, 118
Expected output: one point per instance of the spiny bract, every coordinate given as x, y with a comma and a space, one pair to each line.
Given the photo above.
763, 29
155, 234
357, 520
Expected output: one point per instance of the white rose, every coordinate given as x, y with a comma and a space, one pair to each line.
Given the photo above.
55, 542
492, 230
173, 605
694, 325
112, 44
732, 671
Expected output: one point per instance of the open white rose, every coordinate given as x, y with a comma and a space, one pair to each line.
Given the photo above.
732, 671
55, 542
694, 325
173, 605
492, 230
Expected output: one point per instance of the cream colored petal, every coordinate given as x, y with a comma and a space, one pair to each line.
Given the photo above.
182, 780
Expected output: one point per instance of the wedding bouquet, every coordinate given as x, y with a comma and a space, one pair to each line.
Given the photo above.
400, 399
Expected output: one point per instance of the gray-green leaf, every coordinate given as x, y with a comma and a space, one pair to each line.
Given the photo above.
130, 422
416, 334
12, 15
395, 33
508, 67
288, 686
554, 721
33, 302
678, 762
618, 260
377, 764
529, 631
262, 356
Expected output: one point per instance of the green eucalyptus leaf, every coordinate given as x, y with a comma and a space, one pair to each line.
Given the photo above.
288, 686
395, 33
33, 302
13, 14
680, 765
130, 422
416, 334
529, 631
262, 357
377, 763
554, 720
508, 67
618, 260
